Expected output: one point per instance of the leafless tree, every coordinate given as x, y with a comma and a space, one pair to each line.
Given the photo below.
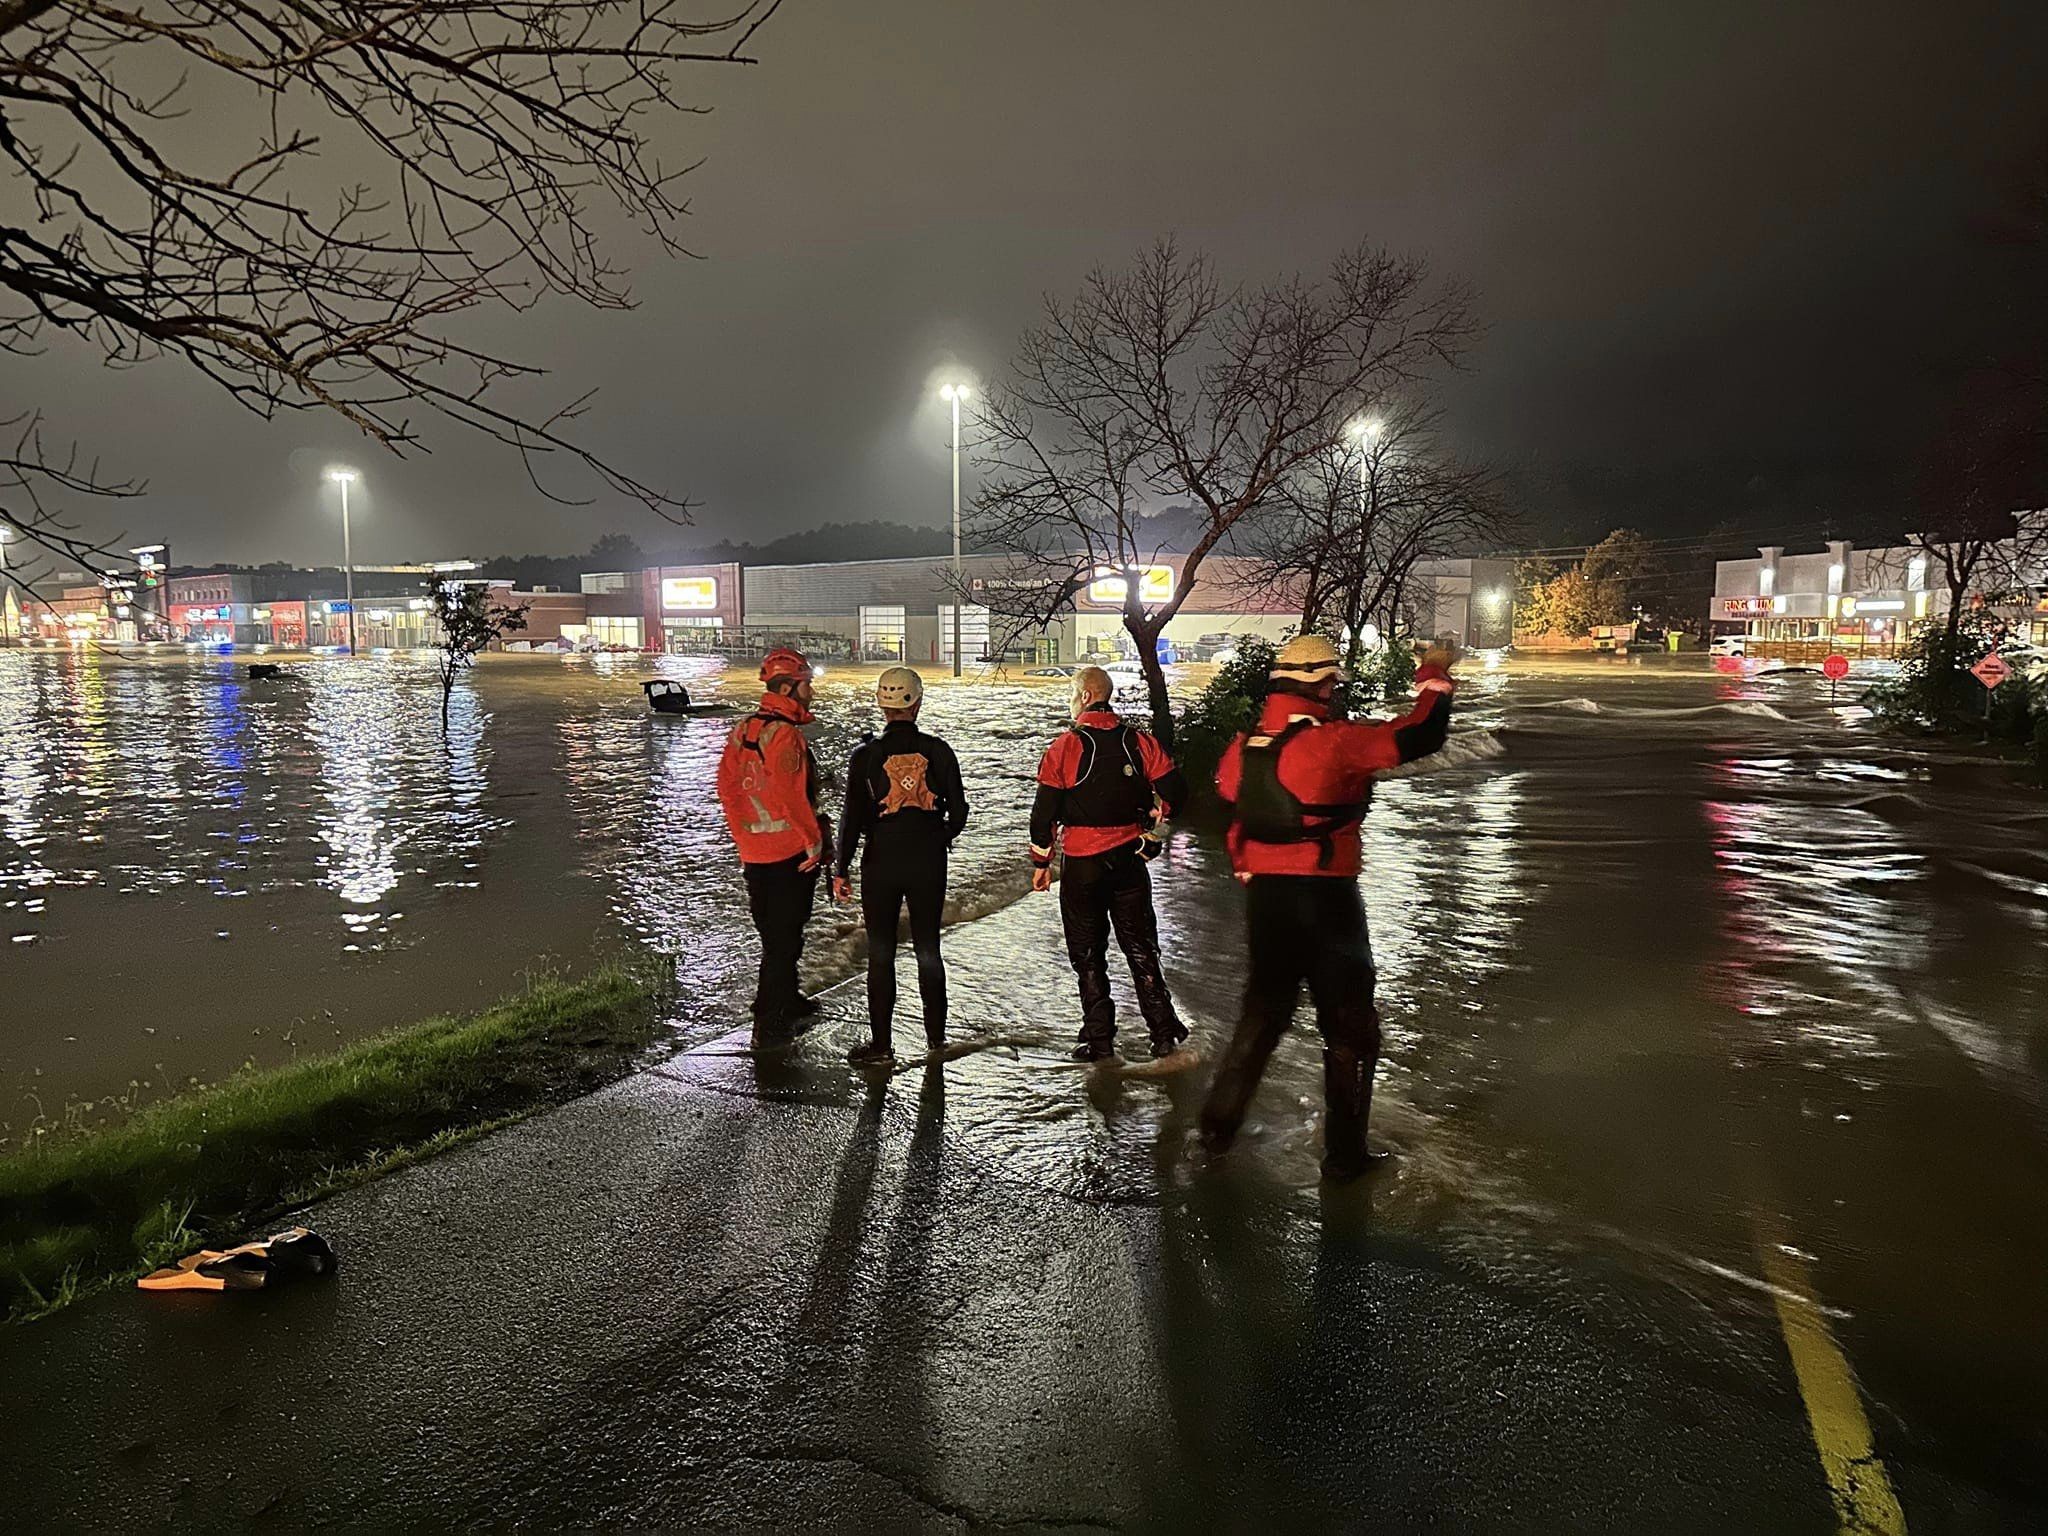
489, 130
1160, 385
1344, 534
1986, 468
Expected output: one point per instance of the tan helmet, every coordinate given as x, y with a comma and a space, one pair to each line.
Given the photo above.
898, 688
1308, 660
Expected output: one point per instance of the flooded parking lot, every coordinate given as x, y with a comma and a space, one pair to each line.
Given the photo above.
1701, 976
198, 870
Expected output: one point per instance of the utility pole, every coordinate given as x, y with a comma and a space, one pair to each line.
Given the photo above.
956, 393
348, 559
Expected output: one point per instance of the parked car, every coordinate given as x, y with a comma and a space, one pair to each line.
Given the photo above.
1729, 645
2028, 659
1208, 647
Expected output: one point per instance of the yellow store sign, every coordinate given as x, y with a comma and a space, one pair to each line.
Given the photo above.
1155, 585
689, 593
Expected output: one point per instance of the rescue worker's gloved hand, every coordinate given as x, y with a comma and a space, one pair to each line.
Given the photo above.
1151, 845
1041, 878
842, 888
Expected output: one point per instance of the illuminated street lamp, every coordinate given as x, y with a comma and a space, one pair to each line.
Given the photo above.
1365, 431
954, 394
343, 477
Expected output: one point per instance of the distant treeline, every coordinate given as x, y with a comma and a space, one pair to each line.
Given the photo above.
617, 552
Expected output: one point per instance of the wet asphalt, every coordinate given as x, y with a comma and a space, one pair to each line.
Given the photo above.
1706, 1002
673, 1304
739, 1292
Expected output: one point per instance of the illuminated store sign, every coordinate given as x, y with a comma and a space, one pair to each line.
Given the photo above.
1155, 585
693, 593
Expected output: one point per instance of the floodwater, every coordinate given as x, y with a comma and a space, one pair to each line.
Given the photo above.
1703, 977
199, 871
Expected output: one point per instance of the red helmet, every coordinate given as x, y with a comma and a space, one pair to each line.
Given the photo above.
783, 663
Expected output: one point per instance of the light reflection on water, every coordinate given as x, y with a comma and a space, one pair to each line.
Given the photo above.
1679, 926
236, 854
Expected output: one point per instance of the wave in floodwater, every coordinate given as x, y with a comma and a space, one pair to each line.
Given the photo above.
1752, 708
1462, 750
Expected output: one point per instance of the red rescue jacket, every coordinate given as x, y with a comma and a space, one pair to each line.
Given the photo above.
768, 784
1105, 783
1328, 766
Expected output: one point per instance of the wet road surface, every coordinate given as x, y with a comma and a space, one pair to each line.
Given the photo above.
1714, 1063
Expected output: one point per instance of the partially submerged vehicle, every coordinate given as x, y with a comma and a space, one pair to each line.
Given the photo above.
668, 696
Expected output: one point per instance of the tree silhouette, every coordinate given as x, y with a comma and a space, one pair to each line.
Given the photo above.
462, 147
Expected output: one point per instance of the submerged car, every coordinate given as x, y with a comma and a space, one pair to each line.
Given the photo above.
1730, 645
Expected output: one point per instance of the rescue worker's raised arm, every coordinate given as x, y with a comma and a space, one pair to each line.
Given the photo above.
857, 812
1418, 733
952, 790
789, 786
1425, 728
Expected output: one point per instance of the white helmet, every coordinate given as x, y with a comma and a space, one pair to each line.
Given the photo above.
898, 688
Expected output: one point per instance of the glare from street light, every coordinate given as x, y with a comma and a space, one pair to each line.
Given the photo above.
1367, 428
953, 391
341, 475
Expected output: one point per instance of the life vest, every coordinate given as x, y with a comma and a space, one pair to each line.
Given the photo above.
1111, 787
899, 782
1269, 812
762, 834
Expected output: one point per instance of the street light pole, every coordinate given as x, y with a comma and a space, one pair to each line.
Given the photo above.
1367, 431
348, 559
956, 393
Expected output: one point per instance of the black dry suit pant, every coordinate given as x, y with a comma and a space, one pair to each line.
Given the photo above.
779, 897
1101, 892
892, 878
1304, 928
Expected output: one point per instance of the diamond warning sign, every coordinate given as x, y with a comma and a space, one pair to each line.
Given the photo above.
1992, 670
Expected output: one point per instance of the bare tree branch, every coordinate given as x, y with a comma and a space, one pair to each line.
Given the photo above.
496, 126
1160, 385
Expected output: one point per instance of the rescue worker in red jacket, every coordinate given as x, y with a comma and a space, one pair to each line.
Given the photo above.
1299, 785
1111, 788
768, 787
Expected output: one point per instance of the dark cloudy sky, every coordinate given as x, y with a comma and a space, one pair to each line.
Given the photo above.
1705, 235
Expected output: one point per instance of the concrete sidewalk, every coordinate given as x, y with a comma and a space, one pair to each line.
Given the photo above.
738, 1293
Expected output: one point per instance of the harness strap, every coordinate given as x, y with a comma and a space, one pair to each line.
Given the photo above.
1335, 817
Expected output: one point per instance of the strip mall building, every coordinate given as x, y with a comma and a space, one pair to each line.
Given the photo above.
872, 609
903, 609
1869, 601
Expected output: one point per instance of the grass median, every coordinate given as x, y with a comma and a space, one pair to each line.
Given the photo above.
82, 1209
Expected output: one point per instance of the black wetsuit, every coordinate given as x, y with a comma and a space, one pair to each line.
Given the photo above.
903, 793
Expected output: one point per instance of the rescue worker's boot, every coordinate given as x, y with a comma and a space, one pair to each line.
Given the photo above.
871, 1053
1169, 1039
1237, 1078
1347, 1090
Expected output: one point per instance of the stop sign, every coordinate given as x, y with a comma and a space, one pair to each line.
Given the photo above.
1835, 667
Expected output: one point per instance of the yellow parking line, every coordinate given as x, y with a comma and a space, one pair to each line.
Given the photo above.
1862, 1489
